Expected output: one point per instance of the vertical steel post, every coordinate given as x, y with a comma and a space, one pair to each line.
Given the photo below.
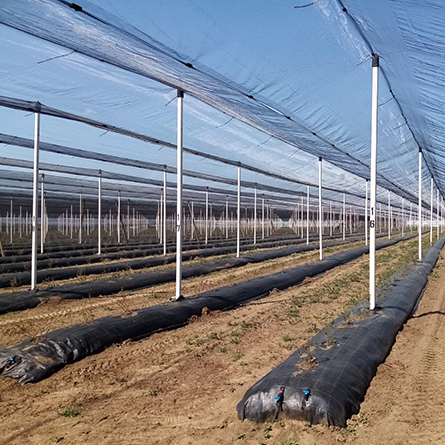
42, 212
164, 227
227, 216
35, 198
11, 217
403, 217
161, 215
128, 219
80, 218
320, 207
373, 177
301, 218
366, 213
262, 219
119, 218
99, 214
344, 216
192, 219
431, 213
238, 216
389, 215
330, 218
307, 217
179, 149
254, 215
207, 216
420, 204
437, 213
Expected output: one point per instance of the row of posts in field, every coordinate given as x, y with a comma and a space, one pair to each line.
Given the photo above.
209, 223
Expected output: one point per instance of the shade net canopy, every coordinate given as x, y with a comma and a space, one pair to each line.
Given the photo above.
273, 86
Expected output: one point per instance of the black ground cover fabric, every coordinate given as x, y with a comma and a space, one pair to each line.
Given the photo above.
23, 278
34, 359
88, 256
346, 355
22, 300
73, 250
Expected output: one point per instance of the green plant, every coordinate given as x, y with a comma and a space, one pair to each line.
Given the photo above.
351, 430
288, 442
363, 419
240, 436
235, 337
248, 325
287, 338
70, 412
238, 356
267, 428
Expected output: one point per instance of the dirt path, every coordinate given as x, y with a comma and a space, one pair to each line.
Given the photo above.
406, 400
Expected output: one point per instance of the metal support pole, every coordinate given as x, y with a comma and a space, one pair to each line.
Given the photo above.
437, 213
71, 224
160, 216
207, 216
301, 217
35, 198
227, 216
373, 183
99, 214
403, 217
80, 218
180, 96
389, 215
192, 222
11, 217
420, 204
307, 217
330, 218
254, 216
128, 219
238, 215
165, 211
320, 207
431, 215
42, 212
366, 213
119, 218
262, 219
344, 216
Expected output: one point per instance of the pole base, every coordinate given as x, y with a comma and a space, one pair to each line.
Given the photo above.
180, 298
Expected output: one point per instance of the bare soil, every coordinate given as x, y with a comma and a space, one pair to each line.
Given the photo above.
182, 386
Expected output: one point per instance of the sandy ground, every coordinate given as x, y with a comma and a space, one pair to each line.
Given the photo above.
182, 386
